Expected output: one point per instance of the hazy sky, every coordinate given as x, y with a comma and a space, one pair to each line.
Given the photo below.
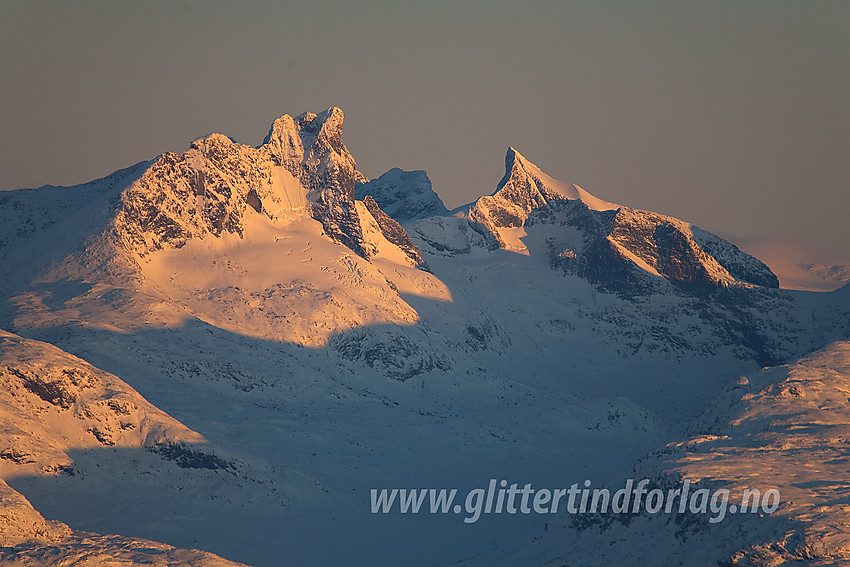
732, 115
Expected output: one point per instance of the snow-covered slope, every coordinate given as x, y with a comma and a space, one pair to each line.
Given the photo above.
20, 522
92, 550
298, 285
404, 195
53, 401
224, 225
52, 405
782, 428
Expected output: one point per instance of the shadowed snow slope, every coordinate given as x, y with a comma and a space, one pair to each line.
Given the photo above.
783, 428
50, 403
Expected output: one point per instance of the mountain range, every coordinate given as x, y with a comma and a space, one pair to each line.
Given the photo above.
227, 349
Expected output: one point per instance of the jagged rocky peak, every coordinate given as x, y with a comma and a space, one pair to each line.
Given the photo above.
523, 189
525, 183
283, 140
394, 232
623, 250
404, 195
302, 166
307, 128
310, 147
520, 186
206, 189
325, 126
183, 196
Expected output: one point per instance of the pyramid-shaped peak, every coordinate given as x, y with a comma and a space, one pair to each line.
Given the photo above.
524, 182
518, 167
513, 155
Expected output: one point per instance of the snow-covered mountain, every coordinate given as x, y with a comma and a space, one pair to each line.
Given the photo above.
302, 167
616, 247
404, 195
287, 331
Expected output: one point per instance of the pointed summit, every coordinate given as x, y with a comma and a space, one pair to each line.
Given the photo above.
523, 188
513, 161
623, 250
524, 181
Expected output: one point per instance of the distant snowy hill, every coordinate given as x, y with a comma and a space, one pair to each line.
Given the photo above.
241, 342
404, 195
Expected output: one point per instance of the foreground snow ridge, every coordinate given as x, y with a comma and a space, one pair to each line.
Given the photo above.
51, 403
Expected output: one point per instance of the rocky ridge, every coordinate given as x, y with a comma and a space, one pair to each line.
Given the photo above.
301, 167
623, 250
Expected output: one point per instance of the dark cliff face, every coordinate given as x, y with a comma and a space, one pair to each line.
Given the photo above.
610, 242
600, 258
741, 265
339, 219
394, 232
665, 245
632, 252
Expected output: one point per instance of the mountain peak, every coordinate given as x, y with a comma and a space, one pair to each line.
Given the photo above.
513, 157
302, 164
524, 181
308, 133
522, 189
404, 195
210, 142
310, 147
516, 166
619, 246
326, 125
283, 140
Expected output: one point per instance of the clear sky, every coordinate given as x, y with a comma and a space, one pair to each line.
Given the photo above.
734, 115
